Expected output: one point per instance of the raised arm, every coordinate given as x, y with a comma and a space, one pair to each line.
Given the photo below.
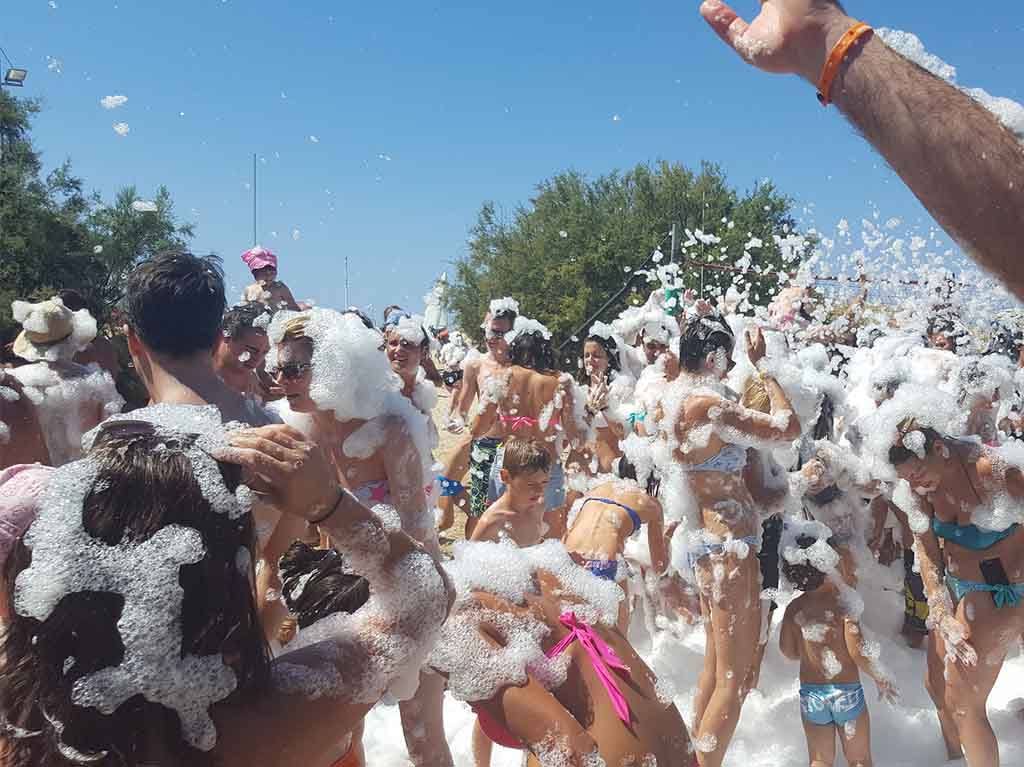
926, 129
748, 427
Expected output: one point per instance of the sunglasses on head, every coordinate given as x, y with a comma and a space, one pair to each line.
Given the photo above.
292, 371
121, 429
396, 317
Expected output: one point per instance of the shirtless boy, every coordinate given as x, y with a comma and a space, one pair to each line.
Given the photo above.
832, 652
518, 516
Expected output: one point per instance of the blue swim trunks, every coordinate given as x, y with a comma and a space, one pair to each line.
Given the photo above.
831, 703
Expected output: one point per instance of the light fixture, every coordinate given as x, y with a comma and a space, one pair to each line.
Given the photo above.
15, 77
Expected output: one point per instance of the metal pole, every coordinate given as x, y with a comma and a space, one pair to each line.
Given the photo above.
255, 238
675, 244
703, 215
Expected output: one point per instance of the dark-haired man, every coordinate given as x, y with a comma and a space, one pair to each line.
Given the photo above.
242, 347
173, 305
480, 380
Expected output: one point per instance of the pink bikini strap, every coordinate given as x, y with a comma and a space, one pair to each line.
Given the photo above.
518, 422
601, 656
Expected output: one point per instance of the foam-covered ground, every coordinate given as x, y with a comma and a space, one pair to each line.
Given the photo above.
770, 734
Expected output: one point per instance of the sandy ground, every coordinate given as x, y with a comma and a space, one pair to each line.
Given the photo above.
446, 445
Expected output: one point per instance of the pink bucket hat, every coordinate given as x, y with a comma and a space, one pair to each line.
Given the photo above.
258, 257
21, 490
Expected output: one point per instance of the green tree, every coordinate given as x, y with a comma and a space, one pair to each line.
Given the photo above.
54, 236
578, 241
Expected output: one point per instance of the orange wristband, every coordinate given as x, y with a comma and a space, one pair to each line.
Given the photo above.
842, 48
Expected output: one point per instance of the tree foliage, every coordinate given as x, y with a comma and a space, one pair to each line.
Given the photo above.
55, 236
578, 242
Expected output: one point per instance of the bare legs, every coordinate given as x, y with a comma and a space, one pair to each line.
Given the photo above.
961, 692
423, 724
732, 588
855, 738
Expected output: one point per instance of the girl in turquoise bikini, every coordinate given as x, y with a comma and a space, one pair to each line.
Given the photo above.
973, 576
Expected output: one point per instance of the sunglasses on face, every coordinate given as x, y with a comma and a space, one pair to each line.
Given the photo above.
492, 333
291, 371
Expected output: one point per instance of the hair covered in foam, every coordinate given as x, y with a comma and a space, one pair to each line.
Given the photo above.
144, 570
350, 374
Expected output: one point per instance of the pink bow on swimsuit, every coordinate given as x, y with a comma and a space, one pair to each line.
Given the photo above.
601, 656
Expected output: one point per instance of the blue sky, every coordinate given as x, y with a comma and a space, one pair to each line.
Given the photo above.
422, 111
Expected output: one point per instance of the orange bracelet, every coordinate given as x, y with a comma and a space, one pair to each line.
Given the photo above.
835, 59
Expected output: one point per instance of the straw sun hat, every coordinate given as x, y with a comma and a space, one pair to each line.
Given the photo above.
51, 331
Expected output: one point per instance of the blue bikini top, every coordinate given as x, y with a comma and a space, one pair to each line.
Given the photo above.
637, 522
970, 536
731, 459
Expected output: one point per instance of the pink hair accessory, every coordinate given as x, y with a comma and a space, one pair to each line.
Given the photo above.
259, 257
21, 489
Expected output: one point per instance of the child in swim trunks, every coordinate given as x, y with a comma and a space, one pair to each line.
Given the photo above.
518, 515
832, 652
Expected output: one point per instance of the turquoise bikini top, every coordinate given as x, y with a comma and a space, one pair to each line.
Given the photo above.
971, 536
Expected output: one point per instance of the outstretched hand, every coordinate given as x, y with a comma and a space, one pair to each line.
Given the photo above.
786, 37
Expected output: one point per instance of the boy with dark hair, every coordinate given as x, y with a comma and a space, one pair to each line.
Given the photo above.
518, 515
832, 652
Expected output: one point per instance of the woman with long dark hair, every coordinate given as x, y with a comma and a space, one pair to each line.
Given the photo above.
133, 636
608, 391
708, 436
968, 496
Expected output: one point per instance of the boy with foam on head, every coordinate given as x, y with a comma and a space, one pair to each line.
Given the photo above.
832, 650
518, 515
267, 289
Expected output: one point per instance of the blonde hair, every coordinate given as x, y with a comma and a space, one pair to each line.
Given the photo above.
295, 328
755, 395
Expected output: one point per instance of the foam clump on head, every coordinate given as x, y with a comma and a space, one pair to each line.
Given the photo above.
350, 375
67, 560
603, 330
524, 325
504, 305
411, 329
199, 433
912, 403
50, 331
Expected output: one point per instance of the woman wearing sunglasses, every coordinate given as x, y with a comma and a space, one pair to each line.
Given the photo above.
342, 392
